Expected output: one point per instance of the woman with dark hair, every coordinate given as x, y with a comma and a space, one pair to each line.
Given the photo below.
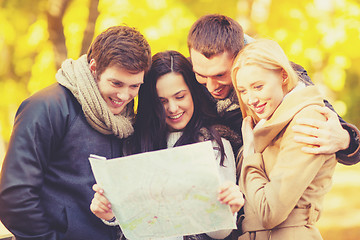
173, 110
154, 123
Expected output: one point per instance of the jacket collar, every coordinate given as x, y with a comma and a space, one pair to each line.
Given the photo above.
288, 108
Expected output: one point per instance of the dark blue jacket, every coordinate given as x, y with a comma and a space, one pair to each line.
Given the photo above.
46, 180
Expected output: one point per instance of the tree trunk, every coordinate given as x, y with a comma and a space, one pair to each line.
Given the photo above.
90, 27
55, 14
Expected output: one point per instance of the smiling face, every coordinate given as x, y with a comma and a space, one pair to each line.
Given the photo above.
260, 89
176, 98
213, 72
117, 86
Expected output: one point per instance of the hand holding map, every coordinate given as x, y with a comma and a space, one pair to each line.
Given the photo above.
171, 192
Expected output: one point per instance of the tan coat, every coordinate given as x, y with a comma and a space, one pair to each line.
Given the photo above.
283, 186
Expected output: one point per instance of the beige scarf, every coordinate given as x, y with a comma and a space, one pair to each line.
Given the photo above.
76, 76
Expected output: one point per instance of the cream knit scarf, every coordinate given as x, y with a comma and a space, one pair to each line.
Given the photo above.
76, 76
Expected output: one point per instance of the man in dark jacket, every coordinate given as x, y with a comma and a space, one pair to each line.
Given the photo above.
46, 180
214, 41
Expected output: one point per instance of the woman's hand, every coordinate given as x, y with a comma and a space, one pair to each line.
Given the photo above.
230, 194
100, 205
248, 136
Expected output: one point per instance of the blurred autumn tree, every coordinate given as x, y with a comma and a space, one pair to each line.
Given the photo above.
36, 36
321, 35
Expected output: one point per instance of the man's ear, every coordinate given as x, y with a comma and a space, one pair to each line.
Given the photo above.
284, 76
92, 66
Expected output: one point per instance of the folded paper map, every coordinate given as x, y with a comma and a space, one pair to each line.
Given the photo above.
165, 193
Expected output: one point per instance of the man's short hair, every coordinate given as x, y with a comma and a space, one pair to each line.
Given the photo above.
214, 34
122, 46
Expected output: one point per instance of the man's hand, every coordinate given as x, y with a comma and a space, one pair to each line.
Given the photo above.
328, 137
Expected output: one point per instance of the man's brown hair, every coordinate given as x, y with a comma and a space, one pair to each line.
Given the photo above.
122, 46
214, 34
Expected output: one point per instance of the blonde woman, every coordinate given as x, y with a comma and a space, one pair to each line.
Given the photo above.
283, 186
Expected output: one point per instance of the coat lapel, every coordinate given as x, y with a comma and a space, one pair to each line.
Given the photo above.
292, 103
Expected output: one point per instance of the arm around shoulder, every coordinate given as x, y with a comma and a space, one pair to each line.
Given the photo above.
350, 155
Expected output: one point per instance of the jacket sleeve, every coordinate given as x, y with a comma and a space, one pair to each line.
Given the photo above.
33, 139
351, 155
273, 195
348, 156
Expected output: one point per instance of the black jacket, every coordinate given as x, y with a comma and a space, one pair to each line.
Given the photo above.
46, 180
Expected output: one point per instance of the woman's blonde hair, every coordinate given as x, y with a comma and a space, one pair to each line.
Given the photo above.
269, 55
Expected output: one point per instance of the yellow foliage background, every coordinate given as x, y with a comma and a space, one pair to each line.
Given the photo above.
321, 35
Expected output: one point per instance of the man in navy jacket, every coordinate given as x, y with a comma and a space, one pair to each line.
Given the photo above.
46, 180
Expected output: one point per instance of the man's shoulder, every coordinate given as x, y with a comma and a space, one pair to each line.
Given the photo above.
53, 91
248, 39
297, 67
302, 73
54, 98
52, 95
